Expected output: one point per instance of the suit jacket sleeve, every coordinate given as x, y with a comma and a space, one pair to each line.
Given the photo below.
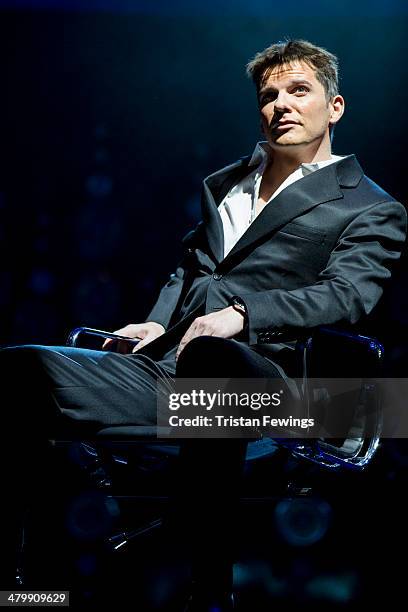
168, 298
171, 294
350, 285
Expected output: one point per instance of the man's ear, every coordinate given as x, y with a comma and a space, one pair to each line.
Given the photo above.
337, 106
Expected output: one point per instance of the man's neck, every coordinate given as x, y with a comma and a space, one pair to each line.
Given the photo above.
283, 163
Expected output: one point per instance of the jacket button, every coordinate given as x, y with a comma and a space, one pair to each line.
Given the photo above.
217, 276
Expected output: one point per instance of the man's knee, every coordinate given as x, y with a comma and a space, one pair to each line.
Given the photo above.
209, 356
22, 362
28, 352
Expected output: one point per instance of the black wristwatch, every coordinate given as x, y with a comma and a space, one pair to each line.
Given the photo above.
238, 304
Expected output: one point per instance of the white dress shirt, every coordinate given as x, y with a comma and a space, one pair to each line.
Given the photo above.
237, 209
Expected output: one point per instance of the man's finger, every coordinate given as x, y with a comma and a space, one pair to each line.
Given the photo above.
107, 343
189, 335
180, 348
140, 345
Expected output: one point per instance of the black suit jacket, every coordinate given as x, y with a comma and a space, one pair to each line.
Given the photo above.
318, 254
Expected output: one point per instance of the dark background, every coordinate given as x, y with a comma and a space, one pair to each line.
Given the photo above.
112, 114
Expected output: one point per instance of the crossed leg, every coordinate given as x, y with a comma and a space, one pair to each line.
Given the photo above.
52, 392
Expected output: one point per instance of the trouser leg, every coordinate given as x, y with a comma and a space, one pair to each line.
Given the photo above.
60, 393
61, 390
211, 469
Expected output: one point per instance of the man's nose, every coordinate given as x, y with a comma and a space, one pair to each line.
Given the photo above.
282, 102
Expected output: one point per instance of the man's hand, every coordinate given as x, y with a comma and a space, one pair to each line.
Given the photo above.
224, 323
145, 332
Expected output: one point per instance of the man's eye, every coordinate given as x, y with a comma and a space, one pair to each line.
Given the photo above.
266, 99
301, 89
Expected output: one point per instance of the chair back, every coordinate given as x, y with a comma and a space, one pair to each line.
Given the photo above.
330, 354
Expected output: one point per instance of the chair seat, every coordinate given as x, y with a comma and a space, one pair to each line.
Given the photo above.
134, 433
324, 353
148, 435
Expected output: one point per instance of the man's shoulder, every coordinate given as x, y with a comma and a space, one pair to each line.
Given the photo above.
374, 190
369, 196
366, 187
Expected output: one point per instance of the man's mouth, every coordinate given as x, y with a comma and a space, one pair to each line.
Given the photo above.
282, 124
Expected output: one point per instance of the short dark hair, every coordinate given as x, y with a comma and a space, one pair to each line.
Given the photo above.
322, 61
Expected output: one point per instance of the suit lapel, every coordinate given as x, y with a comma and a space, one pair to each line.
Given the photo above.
310, 191
215, 188
316, 188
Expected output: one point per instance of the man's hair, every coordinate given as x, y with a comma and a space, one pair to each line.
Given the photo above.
285, 52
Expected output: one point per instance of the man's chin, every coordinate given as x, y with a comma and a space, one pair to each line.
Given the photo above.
284, 141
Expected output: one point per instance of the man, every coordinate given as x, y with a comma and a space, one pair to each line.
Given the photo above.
298, 263
292, 237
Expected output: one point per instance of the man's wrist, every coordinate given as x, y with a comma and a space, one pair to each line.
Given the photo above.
239, 305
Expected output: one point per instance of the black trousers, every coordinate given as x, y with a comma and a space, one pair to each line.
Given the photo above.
51, 392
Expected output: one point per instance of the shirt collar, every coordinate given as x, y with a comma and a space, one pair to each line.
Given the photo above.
263, 151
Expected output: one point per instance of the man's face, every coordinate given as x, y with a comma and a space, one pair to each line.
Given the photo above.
293, 106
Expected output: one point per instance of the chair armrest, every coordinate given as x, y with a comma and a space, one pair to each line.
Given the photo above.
80, 332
